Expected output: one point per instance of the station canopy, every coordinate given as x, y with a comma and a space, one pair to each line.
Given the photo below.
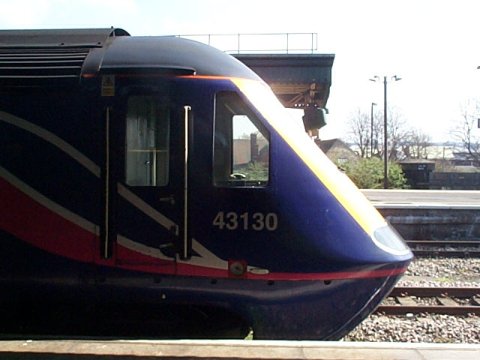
298, 80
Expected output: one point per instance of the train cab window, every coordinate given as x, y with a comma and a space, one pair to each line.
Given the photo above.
241, 148
147, 142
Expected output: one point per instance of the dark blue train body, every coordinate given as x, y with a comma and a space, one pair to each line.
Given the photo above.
157, 171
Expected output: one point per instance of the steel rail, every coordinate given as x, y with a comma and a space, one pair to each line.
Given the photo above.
430, 291
438, 248
446, 253
405, 298
430, 309
469, 243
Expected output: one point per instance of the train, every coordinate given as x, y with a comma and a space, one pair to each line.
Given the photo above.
161, 177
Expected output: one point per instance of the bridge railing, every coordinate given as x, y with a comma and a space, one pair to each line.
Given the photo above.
275, 43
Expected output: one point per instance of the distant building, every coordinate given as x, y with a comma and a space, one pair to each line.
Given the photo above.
417, 172
336, 150
453, 170
251, 149
463, 158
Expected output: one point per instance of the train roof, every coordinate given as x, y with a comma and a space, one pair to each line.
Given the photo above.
64, 57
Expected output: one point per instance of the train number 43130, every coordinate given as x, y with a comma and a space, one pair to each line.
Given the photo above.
256, 221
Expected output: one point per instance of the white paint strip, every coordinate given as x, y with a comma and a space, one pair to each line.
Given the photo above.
52, 139
146, 208
141, 248
49, 204
206, 258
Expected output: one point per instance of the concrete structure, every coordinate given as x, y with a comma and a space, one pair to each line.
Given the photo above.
241, 349
430, 214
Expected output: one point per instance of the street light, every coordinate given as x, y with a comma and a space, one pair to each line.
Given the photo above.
385, 145
371, 128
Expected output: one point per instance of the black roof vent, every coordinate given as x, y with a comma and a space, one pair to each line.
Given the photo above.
53, 57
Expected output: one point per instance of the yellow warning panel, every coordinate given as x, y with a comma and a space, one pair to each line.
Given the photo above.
108, 85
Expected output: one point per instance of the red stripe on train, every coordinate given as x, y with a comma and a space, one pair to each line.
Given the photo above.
41, 227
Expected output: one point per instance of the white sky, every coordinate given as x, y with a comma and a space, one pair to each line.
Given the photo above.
432, 45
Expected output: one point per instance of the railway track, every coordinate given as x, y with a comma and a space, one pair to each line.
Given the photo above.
416, 300
445, 248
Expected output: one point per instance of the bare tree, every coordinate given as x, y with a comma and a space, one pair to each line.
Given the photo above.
377, 135
416, 145
361, 134
465, 129
398, 134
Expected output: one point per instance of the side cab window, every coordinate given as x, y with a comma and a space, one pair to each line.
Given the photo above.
241, 156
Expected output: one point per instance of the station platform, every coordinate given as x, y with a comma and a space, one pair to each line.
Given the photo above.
232, 349
430, 214
424, 199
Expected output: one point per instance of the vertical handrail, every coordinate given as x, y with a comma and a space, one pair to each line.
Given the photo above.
106, 253
187, 109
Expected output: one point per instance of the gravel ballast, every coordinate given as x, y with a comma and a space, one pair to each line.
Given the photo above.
428, 328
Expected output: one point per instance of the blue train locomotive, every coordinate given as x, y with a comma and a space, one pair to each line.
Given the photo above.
159, 173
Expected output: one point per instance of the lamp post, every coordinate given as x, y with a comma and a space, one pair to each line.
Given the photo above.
371, 128
385, 143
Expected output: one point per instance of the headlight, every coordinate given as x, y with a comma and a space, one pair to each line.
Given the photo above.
388, 239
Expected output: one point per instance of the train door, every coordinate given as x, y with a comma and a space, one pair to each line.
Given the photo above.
178, 183
144, 179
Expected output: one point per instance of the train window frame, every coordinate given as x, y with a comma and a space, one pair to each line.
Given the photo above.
240, 159
153, 150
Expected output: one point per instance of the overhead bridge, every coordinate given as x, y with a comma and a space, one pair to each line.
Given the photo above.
298, 80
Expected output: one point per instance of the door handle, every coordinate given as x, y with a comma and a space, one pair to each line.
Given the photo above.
169, 199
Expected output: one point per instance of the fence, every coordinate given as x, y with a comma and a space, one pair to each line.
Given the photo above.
296, 43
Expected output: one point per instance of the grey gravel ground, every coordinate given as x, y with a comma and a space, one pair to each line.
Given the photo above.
425, 327
442, 272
